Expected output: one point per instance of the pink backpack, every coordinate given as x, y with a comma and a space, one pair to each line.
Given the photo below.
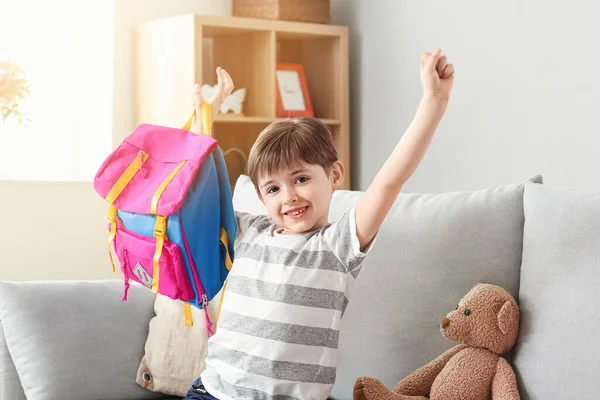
171, 217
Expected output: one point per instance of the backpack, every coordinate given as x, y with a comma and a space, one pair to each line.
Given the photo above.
171, 217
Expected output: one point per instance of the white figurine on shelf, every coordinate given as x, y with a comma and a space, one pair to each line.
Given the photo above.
233, 102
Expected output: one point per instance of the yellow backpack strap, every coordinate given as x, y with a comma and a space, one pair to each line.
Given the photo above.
126, 177
187, 312
162, 187
115, 192
221, 301
223, 238
112, 217
206, 119
160, 226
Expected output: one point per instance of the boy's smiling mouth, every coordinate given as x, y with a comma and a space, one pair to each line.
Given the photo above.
296, 212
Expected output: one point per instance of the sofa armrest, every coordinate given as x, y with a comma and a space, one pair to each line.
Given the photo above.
76, 338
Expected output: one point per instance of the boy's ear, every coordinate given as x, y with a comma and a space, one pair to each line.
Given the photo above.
337, 175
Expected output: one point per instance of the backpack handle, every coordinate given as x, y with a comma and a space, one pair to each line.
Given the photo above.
206, 119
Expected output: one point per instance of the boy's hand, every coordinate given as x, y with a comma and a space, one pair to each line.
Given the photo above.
437, 76
224, 88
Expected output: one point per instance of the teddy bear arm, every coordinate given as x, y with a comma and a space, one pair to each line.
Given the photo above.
419, 382
504, 384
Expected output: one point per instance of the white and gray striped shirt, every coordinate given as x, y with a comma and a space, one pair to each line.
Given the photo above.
277, 336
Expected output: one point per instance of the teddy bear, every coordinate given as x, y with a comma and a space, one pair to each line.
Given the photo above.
486, 321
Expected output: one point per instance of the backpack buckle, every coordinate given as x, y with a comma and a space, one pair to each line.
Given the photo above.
112, 213
160, 226
112, 217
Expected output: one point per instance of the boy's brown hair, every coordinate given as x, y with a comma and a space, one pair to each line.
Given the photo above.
287, 143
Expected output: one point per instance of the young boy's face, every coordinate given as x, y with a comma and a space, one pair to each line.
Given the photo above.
299, 199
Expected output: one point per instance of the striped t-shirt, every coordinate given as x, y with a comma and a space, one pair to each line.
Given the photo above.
278, 332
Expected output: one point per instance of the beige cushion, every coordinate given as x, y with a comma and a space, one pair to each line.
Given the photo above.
175, 353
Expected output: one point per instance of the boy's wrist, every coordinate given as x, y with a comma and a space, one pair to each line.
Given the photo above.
434, 104
436, 98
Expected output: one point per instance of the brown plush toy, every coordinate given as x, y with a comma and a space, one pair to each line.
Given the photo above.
486, 320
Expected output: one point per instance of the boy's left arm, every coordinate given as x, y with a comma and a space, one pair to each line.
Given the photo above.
437, 77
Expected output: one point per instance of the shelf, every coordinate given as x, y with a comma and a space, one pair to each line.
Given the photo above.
231, 118
217, 25
172, 54
323, 60
256, 49
329, 121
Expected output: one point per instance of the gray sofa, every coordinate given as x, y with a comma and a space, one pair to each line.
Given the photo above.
77, 340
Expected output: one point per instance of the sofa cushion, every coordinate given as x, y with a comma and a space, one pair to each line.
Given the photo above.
76, 340
175, 353
245, 198
10, 385
431, 249
557, 352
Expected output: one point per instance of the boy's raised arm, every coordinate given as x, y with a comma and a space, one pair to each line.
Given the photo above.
437, 77
224, 88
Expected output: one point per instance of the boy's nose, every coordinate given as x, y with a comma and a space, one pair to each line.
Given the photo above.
290, 197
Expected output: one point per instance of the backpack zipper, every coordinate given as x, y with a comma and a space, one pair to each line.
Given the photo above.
199, 285
125, 274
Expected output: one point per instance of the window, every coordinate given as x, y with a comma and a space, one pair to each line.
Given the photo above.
65, 48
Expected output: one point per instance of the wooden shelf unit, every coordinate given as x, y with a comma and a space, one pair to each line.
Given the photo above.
172, 54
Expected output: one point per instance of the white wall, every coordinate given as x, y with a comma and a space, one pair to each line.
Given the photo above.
52, 230
526, 94
525, 102
66, 237
129, 13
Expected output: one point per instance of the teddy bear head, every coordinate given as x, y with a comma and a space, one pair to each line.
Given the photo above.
488, 317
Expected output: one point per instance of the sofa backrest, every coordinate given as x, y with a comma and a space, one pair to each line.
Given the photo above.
431, 249
70, 339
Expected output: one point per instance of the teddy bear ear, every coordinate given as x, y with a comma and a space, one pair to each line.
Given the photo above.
507, 316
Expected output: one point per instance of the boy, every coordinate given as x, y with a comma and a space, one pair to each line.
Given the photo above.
277, 335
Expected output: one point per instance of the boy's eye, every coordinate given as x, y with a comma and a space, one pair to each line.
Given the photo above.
272, 189
301, 179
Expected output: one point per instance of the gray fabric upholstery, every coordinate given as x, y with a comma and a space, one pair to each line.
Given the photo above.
430, 251
558, 350
70, 339
76, 340
10, 385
